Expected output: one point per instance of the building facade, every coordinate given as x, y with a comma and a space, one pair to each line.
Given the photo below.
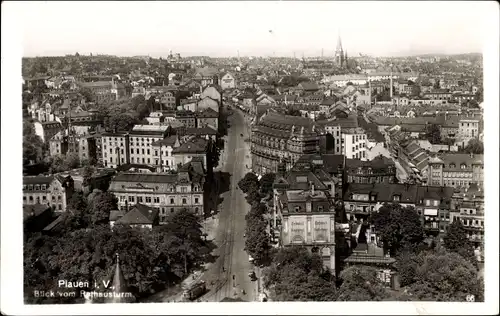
278, 137
169, 192
456, 170
54, 191
304, 212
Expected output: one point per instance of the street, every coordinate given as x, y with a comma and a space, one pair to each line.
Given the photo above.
379, 149
232, 258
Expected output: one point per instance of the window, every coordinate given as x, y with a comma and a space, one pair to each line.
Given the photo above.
436, 202
196, 200
44, 198
143, 151
59, 206
156, 199
297, 209
139, 199
184, 201
183, 189
148, 199
59, 198
171, 210
24, 198
396, 198
171, 200
320, 208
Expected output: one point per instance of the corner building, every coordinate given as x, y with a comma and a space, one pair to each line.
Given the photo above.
277, 137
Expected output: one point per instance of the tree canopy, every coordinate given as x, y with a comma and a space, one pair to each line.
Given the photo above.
398, 227
361, 283
296, 274
474, 146
433, 133
456, 240
445, 276
33, 147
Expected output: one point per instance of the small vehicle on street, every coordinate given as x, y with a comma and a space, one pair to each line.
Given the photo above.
195, 291
252, 275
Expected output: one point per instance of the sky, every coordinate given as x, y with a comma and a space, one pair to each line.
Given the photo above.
223, 28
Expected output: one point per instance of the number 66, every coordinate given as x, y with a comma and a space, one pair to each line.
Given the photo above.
470, 298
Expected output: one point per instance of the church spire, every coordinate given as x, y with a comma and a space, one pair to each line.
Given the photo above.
339, 44
118, 284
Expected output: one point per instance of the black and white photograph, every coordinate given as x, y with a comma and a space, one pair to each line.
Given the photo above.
287, 157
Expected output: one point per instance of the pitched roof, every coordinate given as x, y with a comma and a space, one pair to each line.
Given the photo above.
139, 214
195, 145
208, 113
384, 191
38, 179
34, 210
309, 86
198, 131
167, 141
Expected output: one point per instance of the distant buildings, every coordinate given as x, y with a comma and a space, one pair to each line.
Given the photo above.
228, 81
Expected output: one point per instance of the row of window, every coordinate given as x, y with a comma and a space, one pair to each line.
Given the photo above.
36, 187
31, 198
154, 199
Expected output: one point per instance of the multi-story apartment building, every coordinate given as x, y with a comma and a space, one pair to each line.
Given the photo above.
54, 191
141, 139
102, 90
456, 170
354, 141
468, 129
206, 76
188, 118
163, 156
228, 81
84, 145
131, 147
207, 118
304, 212
115, 149
434, 204
278, 137
169, 192
469, 208
378, 170
187, 151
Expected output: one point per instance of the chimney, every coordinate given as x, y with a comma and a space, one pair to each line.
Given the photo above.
312, 188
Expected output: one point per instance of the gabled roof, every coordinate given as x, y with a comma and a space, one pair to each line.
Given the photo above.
140, 214
195, 145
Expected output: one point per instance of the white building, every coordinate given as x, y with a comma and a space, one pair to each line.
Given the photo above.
354, 143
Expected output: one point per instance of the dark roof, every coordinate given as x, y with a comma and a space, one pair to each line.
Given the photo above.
38, 180
435, 193
308, 85
200, 131
384, 191
139, 214
379, 162
209, 112
145, 177
129, 166
195, 145
34, 210
167, 141
308, 177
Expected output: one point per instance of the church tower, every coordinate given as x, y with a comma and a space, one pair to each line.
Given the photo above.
339, 53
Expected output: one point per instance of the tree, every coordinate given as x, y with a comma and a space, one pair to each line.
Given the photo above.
101, 206
266, 183
361, 283
87, 94
187, 238
433, 133
120, 122
456, 240
293, 112
88, 171
257, 239
295, 274
398, 227
249, 182
138, 100
474, 146
32, 144
321, 117
142, 111
445, 276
